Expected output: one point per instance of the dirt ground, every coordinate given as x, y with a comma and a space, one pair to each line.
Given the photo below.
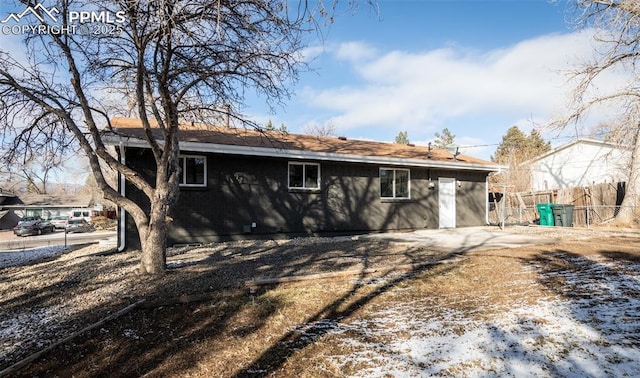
205, 319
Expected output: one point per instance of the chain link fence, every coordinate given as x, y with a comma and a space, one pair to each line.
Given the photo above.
597, 204
582, 216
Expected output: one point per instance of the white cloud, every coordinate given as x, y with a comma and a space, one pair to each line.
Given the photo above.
310, 53
355, 51
414, 90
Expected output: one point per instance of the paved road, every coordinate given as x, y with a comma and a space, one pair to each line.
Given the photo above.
8, 241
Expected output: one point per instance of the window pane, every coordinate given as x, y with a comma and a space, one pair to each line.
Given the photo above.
194, 171
311, 176
386, 183
33, 212
402, 184
296, 175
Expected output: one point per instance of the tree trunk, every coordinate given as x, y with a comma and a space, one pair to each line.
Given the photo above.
153, 238
154, 257
628, 214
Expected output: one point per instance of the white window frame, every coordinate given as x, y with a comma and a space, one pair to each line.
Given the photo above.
304, 176
183, 166
393, 183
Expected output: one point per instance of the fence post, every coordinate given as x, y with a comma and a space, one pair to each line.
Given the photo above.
519, 214
587, 203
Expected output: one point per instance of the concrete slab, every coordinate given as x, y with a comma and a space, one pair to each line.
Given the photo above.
465, 239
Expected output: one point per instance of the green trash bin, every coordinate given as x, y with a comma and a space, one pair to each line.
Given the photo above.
563, 215
546, 214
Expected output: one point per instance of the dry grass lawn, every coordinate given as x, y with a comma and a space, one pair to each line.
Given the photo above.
302, 329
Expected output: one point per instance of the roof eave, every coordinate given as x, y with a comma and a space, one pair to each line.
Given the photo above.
307, 155
571, 144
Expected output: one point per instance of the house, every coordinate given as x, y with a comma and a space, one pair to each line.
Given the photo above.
43, 205
580, 163
245, 183
8, 218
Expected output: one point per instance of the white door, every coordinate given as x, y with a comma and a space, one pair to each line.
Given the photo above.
447, 200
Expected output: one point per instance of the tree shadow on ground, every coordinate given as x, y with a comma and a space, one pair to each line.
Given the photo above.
598, 293
321, 323
32, 295
164, 339
584, 321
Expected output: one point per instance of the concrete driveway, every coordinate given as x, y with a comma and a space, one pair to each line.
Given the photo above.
468, 238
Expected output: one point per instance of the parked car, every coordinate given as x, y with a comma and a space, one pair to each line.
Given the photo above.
87, 214
79, 225
29, 219
37, 227
60, 221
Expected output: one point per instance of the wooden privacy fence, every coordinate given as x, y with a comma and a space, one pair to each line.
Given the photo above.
592, 205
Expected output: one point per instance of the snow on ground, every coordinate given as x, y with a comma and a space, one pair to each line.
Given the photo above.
590, 328
27, 256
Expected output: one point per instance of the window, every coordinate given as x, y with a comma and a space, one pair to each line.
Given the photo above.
304, 176
33, 212
194, 171
394, 183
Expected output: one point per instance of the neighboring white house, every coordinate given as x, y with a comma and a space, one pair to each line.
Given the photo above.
582, 162
48, 206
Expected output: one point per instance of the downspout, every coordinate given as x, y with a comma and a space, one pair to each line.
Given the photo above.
123, 216
486, 196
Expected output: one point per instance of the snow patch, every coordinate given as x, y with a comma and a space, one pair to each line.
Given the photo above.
591, 328
27, 256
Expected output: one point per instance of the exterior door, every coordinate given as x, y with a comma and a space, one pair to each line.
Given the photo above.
447, 202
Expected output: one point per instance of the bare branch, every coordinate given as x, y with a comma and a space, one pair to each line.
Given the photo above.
617, 26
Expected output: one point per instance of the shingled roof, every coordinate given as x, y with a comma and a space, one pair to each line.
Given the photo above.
53, 201
129, 131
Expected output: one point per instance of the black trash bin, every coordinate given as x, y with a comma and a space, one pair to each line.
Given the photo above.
562, 215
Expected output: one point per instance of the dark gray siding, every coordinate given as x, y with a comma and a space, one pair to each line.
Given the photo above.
249, 197
471, 199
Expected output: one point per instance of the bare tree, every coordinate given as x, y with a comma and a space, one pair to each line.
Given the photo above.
167, 62
617, 23
326, 129
34, 170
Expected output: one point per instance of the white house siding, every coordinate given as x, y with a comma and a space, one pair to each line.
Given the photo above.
580, 163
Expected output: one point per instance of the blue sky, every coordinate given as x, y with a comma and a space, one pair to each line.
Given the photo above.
475, 67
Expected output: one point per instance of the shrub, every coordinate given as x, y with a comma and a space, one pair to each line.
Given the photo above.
103, 223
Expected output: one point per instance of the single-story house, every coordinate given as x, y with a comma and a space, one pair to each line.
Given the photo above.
45, 206
245, 183
582, 162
